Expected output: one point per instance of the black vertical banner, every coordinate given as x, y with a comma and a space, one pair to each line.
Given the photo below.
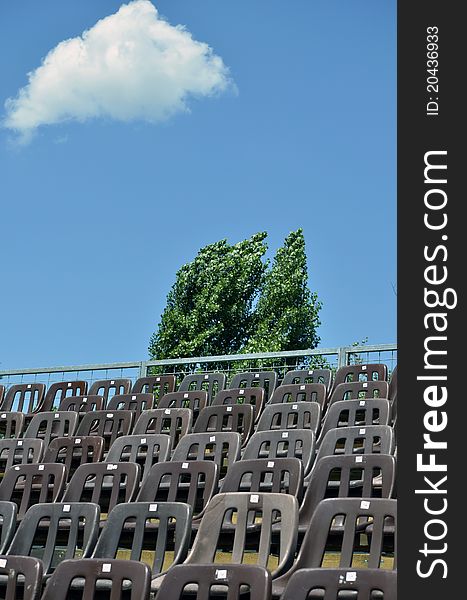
432, 236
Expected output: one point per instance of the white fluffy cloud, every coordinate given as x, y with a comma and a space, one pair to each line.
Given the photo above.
129, 65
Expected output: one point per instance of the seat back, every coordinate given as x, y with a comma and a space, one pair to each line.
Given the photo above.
105, 424
11, 424
302, 376
145, 450
353, 413
255, 396
57, 531
82, 404
292, 443
301, 415
368, 372
97, 573
20, 577
371, 439
264, 379
195, 400
19, 452
24, 397
232, 417
57, 392
193, 483
222, 448
47, 426
157, 385
142, 528
356, 390
74, 451
300, 392
212, 383
8, 511
134, 402
2, 393
110, 387
174, 422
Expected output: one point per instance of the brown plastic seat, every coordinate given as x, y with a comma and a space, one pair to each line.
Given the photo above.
106, 424
110, 387
19, 452
302, 376
251, 395
81, 404
8, 511
26, 485
336, 584
175, 422
146, 450
300, 392
11, 424
358, 390
368, 372
157, 385
20, 577
134, 402
370, 439
57, 392
74, 451
47, 426
302, 415
212, 383
264, 379
393, 394
24, 397
2, 393
231, 417
195, 400
123, 579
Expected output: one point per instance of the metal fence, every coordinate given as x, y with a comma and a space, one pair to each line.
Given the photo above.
230, 364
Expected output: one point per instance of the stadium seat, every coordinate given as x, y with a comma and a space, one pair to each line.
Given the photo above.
74, 451
212, 383
251, 395
352, 413
82, 404
174, 422
134, 402
27, 398
291, 443
371, 439
47, 426
2, 393
393, 394
355, 390
20, 577
110, 387
19, 452
264, 379
61, 390
8, 511
302, 376
302, 415
232, 417
300, 392
146, 450
157, 385
195, 400
11, 424
105, 424
368, 372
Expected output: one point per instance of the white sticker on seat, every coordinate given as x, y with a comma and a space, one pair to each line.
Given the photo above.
363, 367
20, 442
206, 377
152, 507
212, 438
69, 384
167, 411
351, 576
66, 508
158, 378
254, 499
185, 395
133, 397
362, 431
185, 465
365, 504
270, 464
143, 441
229, 409
41, 467
85, 399
256, 375
112, 383
362, 402
294, 406
111, 467
78, 441
56, 416
359, 459
3, 562
221, 573
3, 416
310, 372
106, 568
241, 392
365, 385
302, 387
285, 434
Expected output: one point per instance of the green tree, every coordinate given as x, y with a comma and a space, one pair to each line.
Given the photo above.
286, 315
209, 308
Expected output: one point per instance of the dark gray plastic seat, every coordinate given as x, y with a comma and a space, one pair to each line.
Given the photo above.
291, 443
20, 577
263, 379
300, 392
11, 424
105, 484
281, 476
355, 413
393, 394
123, 579
157, 385
19, 452
24, 397
57, 392
302, 376
232, 417
333, 584
222, 448
134, 402
8, 512
146, 450
249, 581
74, 451
47, 426
368, 372
301, 415
109, 425
42, 532
82, 404
193, 483
355, 390
2, 393
110, 387
195, 400
350, 510
174, 422
212, 383
255, 396
26, 485
130, 528
370, 439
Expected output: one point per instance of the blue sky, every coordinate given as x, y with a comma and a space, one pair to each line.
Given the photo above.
98, 214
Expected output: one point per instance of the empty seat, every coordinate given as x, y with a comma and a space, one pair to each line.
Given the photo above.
2, 393
19, 452
352, 413
368, 372
302, 376
105, 424
174, 422
11, 424
281, 476
314, 549
74, 451
300, 392
212, 383
392, 395
47, 426
251, 395
8, 512
157, 385
222, 448
24, 397
135, 402
332, 584
110, 387
249, 581
301, 415
105, 484
159, 533
61, 390
232, 417
371, 439
358, 390
146, 450
27, 485
20, 577
195, 400
82, 404
123, 579
264, 379
292, 443
54, 532
193, 483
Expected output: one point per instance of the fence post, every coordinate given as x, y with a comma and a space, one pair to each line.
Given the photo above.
342, 357
143, 368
